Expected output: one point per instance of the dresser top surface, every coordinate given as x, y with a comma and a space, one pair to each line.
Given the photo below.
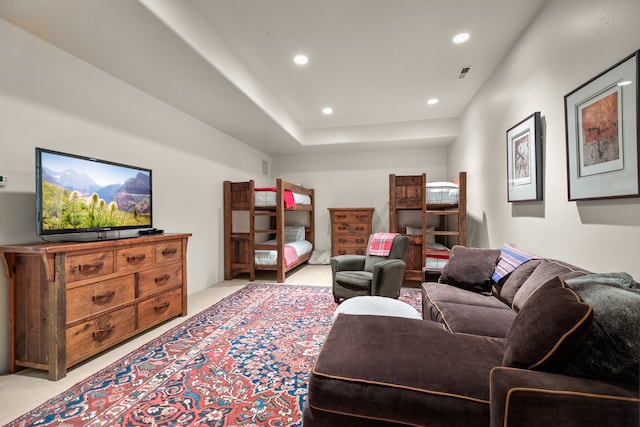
54, 247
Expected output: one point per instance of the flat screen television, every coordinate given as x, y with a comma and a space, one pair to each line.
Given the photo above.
78, 194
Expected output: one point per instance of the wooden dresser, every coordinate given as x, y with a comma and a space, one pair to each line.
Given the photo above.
350, 230
70, 301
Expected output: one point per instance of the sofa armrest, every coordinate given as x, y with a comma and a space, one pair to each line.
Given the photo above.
527, 398
347, 263
388, 276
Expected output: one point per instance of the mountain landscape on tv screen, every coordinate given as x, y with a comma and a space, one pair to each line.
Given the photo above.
74, 200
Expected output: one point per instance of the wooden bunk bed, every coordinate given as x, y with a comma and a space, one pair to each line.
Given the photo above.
266, 243
433, 215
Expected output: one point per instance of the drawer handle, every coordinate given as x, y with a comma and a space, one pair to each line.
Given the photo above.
359, 228
342, 240
136, 258
101, 334
359, 240
89, 267
162, 306
340, 216
104, 298
161, 279
169, 251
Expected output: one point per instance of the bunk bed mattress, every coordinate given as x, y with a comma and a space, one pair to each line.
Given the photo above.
443, 193
268, 198
293, 251
438, 256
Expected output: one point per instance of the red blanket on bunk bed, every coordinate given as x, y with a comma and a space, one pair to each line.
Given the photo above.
288, 196
438, 253
290, 255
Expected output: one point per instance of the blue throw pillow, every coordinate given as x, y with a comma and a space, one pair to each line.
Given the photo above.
510, 258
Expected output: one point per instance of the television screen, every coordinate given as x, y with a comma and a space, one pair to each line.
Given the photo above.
76, 194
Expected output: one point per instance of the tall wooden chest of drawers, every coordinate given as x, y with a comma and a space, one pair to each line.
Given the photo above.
350, 230
70, 301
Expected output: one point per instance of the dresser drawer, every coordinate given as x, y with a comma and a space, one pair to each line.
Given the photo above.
94, 335
341, 227
134, 258
169, 251
93, 298
88, 265
159, 279
159, 308
346, 250
356, 216
351, 240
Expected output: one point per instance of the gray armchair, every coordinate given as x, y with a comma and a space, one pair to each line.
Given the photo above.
355, 275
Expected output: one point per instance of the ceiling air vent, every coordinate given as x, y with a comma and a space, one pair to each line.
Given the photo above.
464, 71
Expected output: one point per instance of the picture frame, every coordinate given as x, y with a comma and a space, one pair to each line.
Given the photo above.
601, 123
524, 160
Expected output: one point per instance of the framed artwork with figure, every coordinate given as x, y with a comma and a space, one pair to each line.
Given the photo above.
524, 160
601, 119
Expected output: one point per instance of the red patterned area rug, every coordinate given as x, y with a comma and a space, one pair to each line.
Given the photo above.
244, 361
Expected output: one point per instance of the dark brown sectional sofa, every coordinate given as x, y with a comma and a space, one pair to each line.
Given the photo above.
539, 348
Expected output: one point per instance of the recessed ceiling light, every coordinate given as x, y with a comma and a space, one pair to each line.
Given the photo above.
625, 83
327, 110
432, 101
461, 38
301, 59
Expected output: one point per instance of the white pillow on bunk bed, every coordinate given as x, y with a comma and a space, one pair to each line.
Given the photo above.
293, 233
442, 184
442, 192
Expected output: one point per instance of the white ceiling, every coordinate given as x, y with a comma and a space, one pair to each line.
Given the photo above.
230, 63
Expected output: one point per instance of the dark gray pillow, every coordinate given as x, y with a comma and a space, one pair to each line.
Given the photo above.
470, 268
611, 351
548, 330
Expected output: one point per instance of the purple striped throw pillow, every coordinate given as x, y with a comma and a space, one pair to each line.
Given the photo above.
510, 258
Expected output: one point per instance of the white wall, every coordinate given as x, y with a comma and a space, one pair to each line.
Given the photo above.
570, 42
53, 100
357, 180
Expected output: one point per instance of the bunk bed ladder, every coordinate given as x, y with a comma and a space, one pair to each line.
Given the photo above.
238, 246
279, 226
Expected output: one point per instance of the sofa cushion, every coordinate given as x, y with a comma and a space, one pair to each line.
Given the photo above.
516, 279
548, 330
545, 271
410, 381
611, 351
354, 279
470, 268
466, 312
